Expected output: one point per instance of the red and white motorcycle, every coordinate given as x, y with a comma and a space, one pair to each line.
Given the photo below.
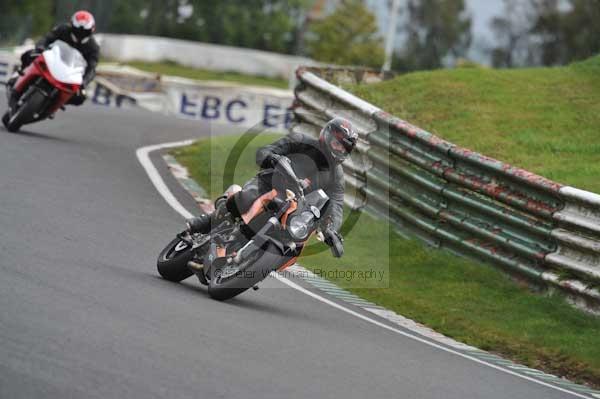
45, 86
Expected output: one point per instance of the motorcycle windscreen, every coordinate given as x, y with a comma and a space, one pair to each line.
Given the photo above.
65, 63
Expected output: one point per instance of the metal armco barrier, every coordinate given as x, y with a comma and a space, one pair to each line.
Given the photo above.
458, 199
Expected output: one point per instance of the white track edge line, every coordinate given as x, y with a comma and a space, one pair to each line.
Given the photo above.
143, 155
422, 340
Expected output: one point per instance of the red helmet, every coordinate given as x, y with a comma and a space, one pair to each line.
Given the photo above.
83, 25
338, 138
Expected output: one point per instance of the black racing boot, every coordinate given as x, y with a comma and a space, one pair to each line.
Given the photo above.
203, 223
13, 78
221, 212
11, 94
200, 224
10, 84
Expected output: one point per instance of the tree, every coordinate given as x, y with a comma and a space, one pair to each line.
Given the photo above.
128, 17
566, 30
512, 31
546, 32
437, 32
348, 36
22, 18
261, 24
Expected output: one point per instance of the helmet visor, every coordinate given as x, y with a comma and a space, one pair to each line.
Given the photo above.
338, 144
338, 148
81, 33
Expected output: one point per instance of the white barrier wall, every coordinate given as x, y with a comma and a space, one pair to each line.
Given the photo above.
230, 104
218, 102
7, 62
213, 57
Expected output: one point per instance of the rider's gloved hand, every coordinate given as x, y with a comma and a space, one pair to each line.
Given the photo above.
330, 236
335, 241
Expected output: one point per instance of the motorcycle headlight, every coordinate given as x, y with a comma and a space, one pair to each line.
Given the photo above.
300, 226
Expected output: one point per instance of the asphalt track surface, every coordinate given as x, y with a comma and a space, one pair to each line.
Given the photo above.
83, 313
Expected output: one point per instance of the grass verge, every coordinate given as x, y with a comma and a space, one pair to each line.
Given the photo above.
173, 69
541, 119
458, 297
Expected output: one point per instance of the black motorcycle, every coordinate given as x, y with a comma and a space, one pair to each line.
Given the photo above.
236, 255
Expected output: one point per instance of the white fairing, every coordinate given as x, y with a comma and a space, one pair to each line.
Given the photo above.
65, 63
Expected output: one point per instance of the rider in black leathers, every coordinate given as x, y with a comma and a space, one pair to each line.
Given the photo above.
318, 160
78, 33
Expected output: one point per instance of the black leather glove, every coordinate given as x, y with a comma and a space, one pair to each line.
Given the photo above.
331, 235
335, 241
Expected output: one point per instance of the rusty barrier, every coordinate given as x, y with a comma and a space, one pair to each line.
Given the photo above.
455, 198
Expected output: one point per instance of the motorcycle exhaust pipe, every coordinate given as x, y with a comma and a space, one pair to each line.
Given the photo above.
195, 266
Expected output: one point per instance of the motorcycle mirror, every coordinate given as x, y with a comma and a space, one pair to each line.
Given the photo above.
286, 165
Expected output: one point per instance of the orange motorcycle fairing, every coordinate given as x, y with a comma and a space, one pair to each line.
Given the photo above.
258, 206
292, 208
294, 259
288, 264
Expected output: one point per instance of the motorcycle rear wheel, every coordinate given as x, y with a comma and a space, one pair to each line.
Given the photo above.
172, 261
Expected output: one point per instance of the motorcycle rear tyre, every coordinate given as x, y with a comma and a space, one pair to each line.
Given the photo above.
172, 264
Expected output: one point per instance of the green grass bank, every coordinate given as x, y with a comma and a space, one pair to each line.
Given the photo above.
546, 120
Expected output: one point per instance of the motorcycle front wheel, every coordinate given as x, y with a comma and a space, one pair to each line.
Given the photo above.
226, 284
172, 261
25, 113
5, 119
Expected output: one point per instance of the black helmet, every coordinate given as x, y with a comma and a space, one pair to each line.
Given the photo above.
338, 138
